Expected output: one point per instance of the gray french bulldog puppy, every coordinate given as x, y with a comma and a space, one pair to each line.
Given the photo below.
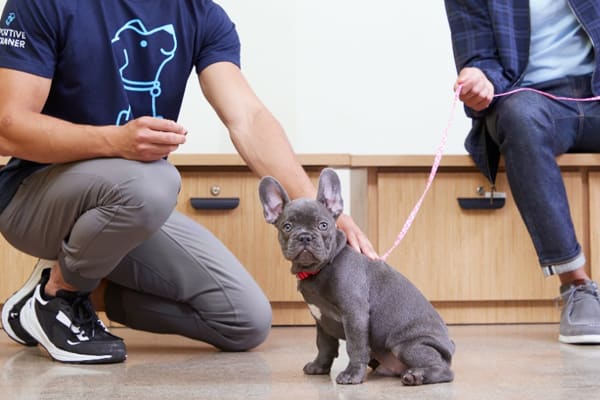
385, 320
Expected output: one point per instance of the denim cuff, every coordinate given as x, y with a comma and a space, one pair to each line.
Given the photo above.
569, 266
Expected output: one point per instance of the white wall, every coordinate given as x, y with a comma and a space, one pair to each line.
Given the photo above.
342, 76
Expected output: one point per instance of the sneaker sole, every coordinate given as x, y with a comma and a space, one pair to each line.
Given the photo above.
29, 285
29, 321
580, 339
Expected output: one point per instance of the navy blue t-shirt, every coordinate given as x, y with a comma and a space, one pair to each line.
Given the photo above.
111, 61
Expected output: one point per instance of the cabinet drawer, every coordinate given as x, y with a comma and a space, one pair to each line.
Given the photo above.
453, 254
242, 228
15, 268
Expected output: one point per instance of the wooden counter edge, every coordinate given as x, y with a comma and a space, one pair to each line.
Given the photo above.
458, 160
361, 161
234, 160
210, 160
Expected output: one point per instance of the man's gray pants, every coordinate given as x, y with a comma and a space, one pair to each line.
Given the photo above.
115, 219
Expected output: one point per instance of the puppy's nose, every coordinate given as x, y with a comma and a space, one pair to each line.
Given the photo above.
305, 238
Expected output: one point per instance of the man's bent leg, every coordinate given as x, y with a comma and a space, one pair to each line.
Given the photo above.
524, 126
183, 280
72, 212
89, 214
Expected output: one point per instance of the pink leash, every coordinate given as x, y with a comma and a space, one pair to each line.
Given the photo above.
436, 164
442, 146
560, 98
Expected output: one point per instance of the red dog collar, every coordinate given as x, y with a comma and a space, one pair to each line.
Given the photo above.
303, 275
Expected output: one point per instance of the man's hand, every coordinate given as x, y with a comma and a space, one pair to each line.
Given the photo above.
477, 91
147, 138
356, 238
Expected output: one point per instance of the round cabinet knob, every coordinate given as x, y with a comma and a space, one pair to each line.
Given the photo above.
215, 190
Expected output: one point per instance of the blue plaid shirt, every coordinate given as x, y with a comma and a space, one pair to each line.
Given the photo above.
494, 35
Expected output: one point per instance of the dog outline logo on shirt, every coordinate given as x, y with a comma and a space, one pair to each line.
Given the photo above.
154, 49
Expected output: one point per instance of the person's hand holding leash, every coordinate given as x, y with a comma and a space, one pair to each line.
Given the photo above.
477, 91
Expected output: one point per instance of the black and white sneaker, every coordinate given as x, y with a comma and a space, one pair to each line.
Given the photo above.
69, 329
13, 305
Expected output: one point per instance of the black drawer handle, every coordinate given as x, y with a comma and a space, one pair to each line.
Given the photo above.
208, 203
485, 202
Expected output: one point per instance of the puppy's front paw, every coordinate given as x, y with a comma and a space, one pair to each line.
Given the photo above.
352, 375
414, 377
315, 368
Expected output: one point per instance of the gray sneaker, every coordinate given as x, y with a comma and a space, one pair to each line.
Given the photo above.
580, 318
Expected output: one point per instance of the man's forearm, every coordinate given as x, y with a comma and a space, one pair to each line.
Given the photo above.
40, 138
267, 151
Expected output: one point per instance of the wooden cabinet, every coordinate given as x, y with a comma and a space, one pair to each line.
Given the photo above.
476, 266
455, 254
15, 268
243, 228
244, 231
594, 225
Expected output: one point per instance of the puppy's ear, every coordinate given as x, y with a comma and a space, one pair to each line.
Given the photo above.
329, 192
273, 198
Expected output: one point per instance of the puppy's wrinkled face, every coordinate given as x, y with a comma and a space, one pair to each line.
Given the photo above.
307, 233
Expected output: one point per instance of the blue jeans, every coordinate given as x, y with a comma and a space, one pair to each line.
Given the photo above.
531, 130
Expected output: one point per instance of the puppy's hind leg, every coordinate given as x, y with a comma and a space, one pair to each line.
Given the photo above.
425, 364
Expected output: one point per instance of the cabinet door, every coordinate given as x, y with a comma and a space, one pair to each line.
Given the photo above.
453, 254
242, 229
14, 269
594, 218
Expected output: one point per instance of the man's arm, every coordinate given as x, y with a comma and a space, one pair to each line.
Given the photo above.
26, 133
261, 141
481, 73
255, 133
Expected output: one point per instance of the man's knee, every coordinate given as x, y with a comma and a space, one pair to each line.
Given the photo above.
521, 121
251, 332
150, 195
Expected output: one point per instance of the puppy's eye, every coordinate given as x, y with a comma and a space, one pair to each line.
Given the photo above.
286, 227
323, 226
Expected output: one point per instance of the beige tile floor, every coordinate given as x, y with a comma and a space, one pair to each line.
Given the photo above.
491, 362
